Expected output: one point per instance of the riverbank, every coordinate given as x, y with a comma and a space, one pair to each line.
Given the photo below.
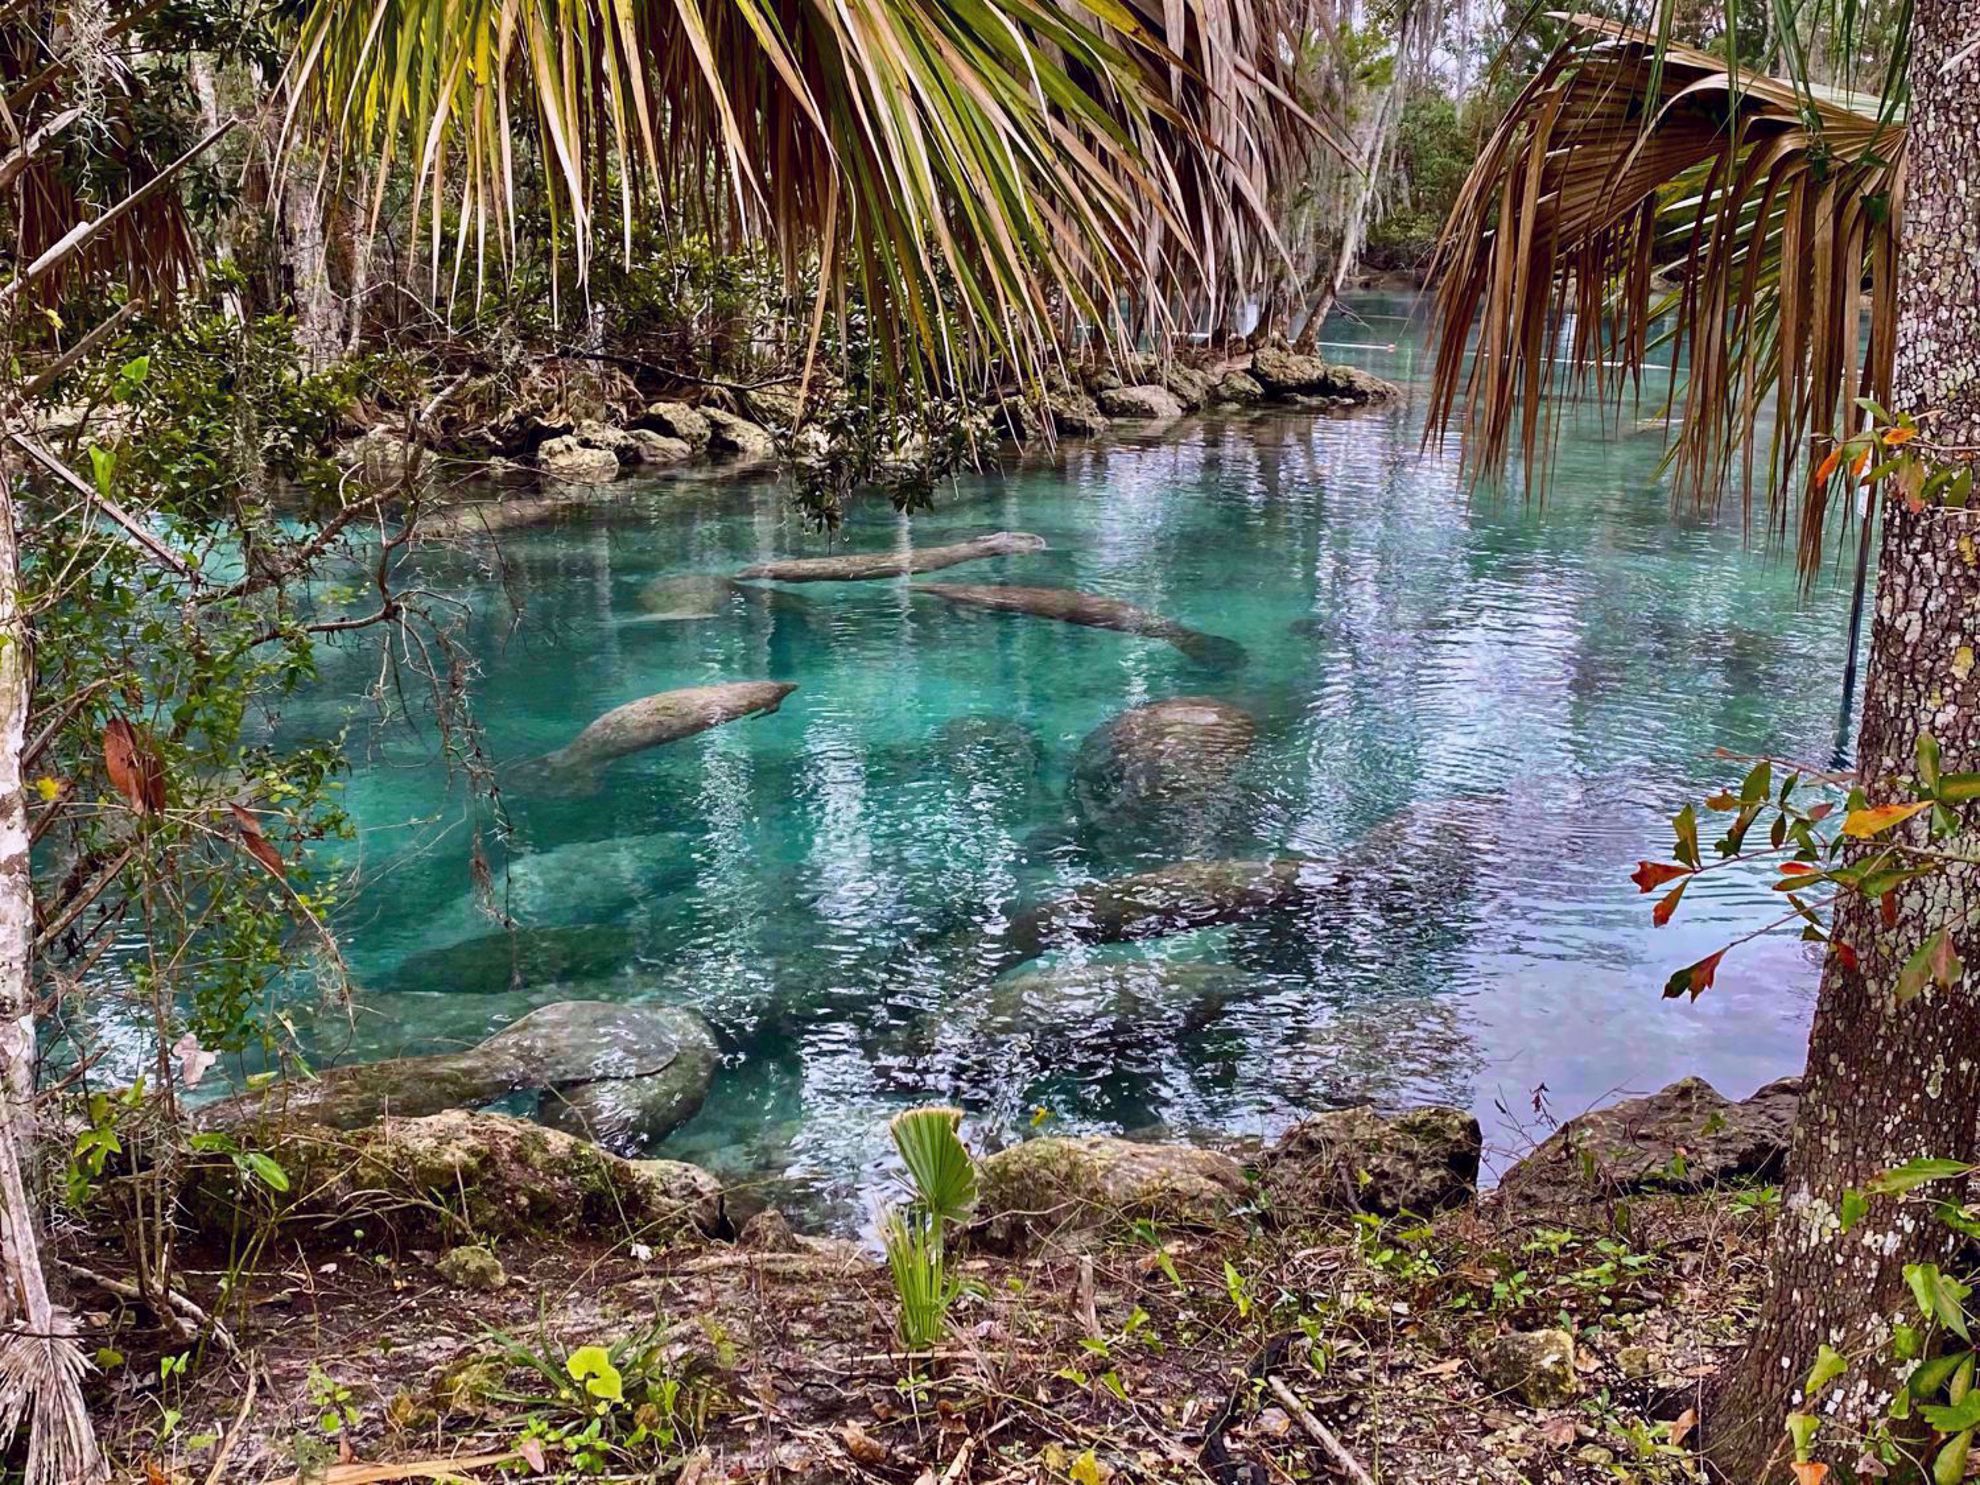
1337, 1302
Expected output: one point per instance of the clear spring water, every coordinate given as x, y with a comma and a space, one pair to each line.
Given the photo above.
1518, 696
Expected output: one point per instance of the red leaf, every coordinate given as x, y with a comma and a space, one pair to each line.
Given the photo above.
1887, 906
1847, 955
1796, 868
1650, 875
1817, 813
134, 769
1661, 914
1695, 979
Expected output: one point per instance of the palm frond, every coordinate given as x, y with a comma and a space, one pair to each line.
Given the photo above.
1629, 165
944, 1176
976, 169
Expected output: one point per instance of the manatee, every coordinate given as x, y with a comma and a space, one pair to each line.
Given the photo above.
1091, 610
653, 720
1168, 755
1152, 904
584, 881
698, 595
1076, 999
623, 1074
487, 518
504, 960
857, 567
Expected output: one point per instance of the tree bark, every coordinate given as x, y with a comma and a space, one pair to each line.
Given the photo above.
1888, 1083
41, 1364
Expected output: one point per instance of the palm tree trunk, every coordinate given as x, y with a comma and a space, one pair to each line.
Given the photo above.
1887, 1083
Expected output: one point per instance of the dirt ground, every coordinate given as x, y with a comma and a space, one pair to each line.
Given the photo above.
1340, 1349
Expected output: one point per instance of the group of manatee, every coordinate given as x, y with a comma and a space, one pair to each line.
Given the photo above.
1172, 761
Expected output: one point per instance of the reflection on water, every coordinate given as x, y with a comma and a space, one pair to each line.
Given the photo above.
1475, 715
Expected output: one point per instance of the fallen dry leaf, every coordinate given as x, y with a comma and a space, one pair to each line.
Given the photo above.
133, 766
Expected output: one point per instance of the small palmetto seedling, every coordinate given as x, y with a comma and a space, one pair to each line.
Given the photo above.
944, 1181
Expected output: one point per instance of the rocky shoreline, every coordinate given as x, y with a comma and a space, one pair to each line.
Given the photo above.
568, 459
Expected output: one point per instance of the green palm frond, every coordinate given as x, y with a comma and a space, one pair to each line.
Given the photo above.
979, 170
1640, 194
944, 1176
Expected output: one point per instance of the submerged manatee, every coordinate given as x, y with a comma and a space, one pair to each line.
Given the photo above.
653, 720
698, 595
1165, 757
492, 517
497, 962
623, 1074
1152, 904
582, 882
1069, 606
861, 566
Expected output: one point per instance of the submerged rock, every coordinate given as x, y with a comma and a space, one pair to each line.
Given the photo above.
1069, 606
1688, 1137
574, 462
1148, 401
1423, 1161
485, 1174
863, 566
1166, 756
678, 420
1082, 1000
1059, 1186
626, 1075
654, 720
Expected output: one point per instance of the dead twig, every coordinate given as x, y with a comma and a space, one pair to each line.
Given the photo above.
1319, 1432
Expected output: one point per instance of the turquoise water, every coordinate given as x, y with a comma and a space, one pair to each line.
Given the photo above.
1494, 702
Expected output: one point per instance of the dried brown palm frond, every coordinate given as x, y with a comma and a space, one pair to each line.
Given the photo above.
1628, 164
982, 172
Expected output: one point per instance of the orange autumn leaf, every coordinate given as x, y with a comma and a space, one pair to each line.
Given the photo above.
1898, 437
1650, 875
1826, 470
1858, 464
1661, 914
133, 766
1809, 1472
1796, 868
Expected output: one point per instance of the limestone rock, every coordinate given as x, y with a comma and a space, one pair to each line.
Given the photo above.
1359, 386
1146, 401
769, 1231
649, 447
1189, 385
576, 463
737, 439
1238, 389
678, 420
1286, 373
472, 1266
1054, 1186
1535, 1366
1423, 1161
1688, 1137
492, 1173
384, 458
625, 1074
596, 435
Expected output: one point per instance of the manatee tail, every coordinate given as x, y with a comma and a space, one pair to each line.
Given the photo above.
1211, 649
551, 777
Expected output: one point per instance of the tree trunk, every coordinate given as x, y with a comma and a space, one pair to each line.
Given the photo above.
41, 1365
1887, 1083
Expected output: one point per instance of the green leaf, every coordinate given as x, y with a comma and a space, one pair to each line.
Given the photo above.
1801, 1430
1959, 788
1915, 1173
1933, 962
592, 1365
1855, 1206
1950, 1467
1928, 762
1829, 1364
1941, 1297
1684, 825
1929, 1377
1758, 784
944, 1176
264, 1168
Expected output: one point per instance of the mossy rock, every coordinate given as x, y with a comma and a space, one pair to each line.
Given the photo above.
1058, 1188
458, 1174
1422, 1160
